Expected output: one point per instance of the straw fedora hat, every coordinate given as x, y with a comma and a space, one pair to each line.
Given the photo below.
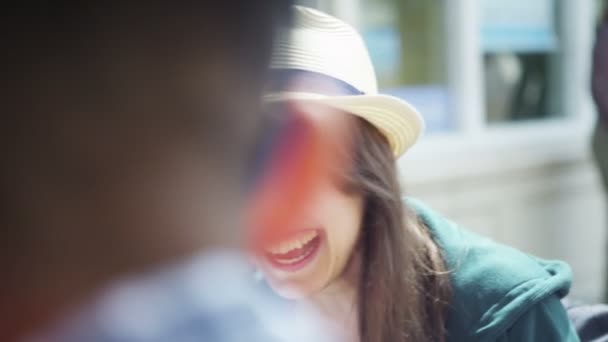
324, 46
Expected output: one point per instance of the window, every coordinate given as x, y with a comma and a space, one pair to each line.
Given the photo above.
521, 47
478, 69
406, 41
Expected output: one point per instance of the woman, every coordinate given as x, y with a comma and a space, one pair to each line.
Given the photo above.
379, 268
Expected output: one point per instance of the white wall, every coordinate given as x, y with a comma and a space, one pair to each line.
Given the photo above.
550, 207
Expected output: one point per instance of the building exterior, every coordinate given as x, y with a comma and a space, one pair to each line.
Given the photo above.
504, 88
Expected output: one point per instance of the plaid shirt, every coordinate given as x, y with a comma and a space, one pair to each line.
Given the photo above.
213, 298
599, 80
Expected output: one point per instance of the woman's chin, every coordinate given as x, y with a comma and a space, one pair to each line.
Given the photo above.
292, 291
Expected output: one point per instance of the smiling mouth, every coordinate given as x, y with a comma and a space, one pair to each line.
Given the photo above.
295, 252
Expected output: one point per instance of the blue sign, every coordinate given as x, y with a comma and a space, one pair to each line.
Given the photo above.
384, 45
518, 25
432, 101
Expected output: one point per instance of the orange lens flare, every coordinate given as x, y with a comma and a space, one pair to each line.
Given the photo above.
300, 164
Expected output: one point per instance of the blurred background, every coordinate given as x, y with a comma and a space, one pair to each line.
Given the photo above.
504, 88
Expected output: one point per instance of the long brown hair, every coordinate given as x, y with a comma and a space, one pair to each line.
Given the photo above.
403, 286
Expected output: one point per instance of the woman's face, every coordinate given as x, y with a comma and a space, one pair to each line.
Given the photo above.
312, 252
316, 251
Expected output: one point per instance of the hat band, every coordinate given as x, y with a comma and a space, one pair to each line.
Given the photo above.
295, 80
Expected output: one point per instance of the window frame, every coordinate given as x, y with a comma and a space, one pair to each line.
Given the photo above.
474, 146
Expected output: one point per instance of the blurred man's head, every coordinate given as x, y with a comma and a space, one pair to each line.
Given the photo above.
123, 138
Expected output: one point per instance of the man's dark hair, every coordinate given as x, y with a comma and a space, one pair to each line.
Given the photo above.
104, 101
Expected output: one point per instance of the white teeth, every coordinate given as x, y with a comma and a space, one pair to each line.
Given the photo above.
297, 241
290, 261
285, 247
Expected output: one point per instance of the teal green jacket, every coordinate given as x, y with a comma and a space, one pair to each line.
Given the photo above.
499, 293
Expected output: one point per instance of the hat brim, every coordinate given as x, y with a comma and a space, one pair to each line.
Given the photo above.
400, 122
